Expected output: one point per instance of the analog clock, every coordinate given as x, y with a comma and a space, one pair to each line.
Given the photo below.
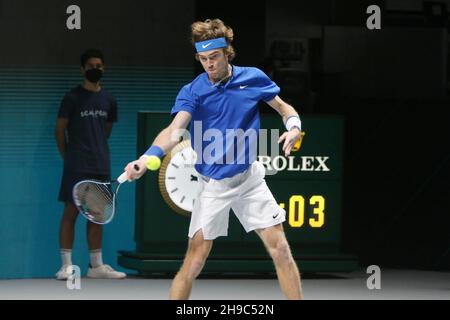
178, 180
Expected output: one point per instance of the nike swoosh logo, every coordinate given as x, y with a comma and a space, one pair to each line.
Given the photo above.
243, 87
204, 46
275, 216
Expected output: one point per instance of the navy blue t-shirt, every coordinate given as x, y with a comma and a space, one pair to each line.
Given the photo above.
88, 112
220, 114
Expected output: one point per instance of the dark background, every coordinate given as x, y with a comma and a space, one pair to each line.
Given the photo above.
391, 85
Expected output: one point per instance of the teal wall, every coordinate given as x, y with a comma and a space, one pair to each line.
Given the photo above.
31, 168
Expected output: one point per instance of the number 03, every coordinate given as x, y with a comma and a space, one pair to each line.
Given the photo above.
297, 211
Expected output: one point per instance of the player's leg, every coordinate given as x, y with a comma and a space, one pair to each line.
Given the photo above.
67, 224
197, 253
66, 238
67, 227
94, 235
257, 209
97, 269
287, 271
209, 220
94, 231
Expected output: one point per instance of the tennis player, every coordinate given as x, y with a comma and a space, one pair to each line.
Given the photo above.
224, 99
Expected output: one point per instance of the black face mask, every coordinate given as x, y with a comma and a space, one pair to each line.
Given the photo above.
93, 75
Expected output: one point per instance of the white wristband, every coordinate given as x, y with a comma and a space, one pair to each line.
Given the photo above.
292, 122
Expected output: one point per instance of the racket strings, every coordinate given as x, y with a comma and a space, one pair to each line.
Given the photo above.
96, 200
103, 193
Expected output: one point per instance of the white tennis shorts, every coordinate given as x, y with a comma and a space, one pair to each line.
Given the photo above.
246, 193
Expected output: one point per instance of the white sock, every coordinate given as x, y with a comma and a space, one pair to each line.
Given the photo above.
66, 256
96, 258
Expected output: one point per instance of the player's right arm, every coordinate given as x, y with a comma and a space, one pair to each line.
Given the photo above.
60, 128
165, 140
66, 109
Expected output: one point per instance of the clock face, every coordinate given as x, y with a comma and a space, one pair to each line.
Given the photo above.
180, 181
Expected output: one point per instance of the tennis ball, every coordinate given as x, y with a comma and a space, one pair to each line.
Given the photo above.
153, 163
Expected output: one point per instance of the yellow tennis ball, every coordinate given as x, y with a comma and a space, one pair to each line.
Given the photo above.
153, 163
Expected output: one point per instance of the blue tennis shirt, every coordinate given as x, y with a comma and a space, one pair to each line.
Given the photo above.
225, 119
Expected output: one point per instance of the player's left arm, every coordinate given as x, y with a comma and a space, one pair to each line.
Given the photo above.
291, 119
111, 118
108, 129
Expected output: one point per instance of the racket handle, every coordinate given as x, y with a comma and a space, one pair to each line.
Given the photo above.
298, 144
124, 177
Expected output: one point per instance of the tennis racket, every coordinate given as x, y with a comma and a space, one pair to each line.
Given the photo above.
96, 200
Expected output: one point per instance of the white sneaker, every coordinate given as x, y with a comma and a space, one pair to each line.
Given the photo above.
65, 272
105, 272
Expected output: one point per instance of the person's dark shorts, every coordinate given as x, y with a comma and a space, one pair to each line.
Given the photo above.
70, 179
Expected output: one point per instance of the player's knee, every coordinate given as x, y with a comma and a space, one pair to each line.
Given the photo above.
194, 262
195, 267
70, 214
281, 252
